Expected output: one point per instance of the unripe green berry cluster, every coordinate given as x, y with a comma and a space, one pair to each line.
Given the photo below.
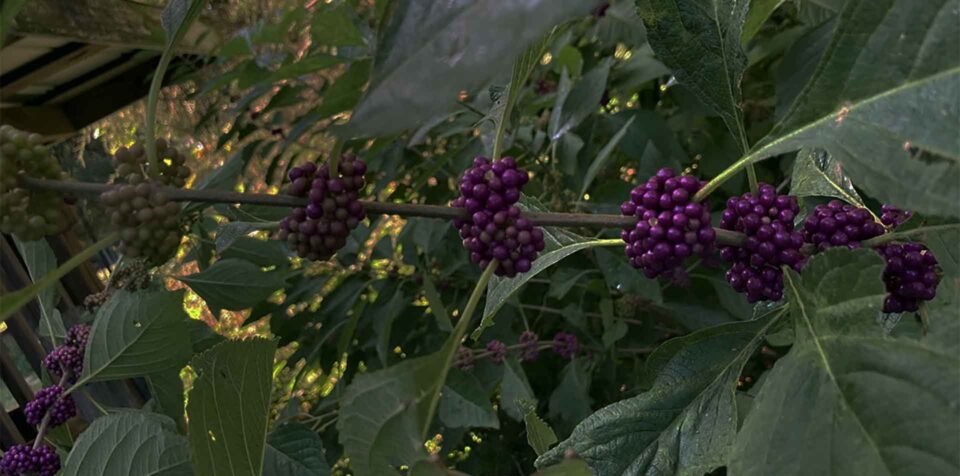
131, 165
148, 221
28, 214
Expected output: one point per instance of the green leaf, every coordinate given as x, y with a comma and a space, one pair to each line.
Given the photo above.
234, 284
571, 399
943, 244
260, 252
889, 405
428, 53
884, 92
137, 334
40, 260
229, 405
333, 25
344, 93
13, 301
816, 173
437, 308
231, 232
583, 100
540, 436
293, 449
377, 403
686, 423
129, 442
166, 392
501, 289
700, 42
760, 10
464, 404
8, 12
515, 391
567, 467
605, 153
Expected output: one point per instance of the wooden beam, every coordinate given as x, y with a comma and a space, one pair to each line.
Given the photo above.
34, 71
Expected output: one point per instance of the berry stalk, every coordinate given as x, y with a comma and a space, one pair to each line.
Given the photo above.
586, 220
904, 235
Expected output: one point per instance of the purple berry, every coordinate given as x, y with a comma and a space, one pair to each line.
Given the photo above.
910, 276
497, 350
51, 399
836, 224
464, 359
666, 219
566, 345
317, 231
529, 350
771, 242
495, 228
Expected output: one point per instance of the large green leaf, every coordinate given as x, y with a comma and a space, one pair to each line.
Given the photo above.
700, 41
137, 334
429, 52
886, 89
847, 399
293, 449
582, 100
234, 284
501, 289
40, 260
228, 407
260, 252
379, 403
685, 424
129, 442
166, 394
760, 10
464, 403
816, 173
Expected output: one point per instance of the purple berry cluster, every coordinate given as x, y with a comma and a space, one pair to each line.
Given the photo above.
495, 228
767, 221
837, 224
670, 226
24, 460
61, 408
893, 217
318, 230
529, 346
566, 345
464, 359
497, 351
69, 355
910, 276
64, 357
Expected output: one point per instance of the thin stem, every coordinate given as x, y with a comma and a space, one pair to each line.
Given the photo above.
156, 83
724, 237
722, 177
904, 235
752, 178
450, 348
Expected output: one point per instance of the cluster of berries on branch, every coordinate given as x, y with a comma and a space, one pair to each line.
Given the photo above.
910, 276
670, 225
317, 231
51, 404
495, 228
766, 219
149, 222
25, 460
837, 224
28, 214
527, 349
130, 165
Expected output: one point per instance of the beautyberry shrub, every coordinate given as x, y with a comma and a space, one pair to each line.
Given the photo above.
317, 231
495, 227
766, 219
670, 226
130, 165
